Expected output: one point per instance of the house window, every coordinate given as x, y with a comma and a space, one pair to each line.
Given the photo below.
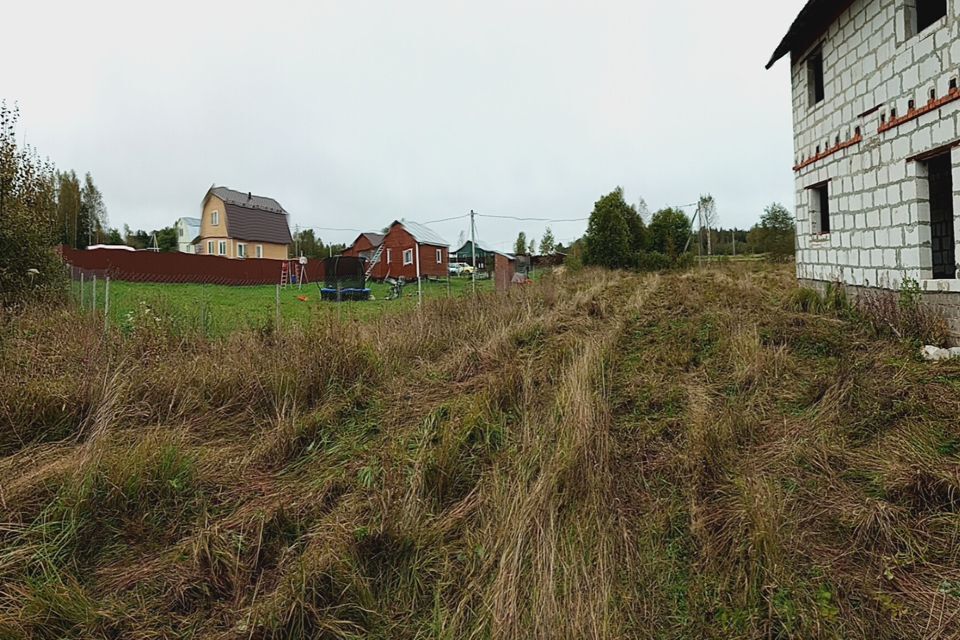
259, 250
815, 78
820, 208
923, 14
408, 256
181, 231
215, 218
222, 248
241, 250
388, 256
439, 256
210, 247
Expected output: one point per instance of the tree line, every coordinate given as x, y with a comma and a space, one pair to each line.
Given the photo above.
621, 235
618, 237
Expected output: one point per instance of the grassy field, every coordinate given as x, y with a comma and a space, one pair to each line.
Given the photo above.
598, 455
219, 309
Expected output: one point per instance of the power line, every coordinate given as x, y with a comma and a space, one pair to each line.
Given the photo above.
466, 215
489, 215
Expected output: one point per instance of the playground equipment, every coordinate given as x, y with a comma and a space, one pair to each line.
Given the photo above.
344, 279
289, 274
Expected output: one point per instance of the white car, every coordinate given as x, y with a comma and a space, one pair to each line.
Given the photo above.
460, 269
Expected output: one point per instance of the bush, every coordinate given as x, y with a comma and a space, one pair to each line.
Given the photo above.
29, 264
657, 261
652, 261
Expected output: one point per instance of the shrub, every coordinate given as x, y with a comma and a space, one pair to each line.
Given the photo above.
29, 265
652, 261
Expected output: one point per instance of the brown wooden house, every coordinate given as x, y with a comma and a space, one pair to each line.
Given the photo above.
410, 249
365, 246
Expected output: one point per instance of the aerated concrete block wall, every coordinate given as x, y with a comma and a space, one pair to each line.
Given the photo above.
890, 97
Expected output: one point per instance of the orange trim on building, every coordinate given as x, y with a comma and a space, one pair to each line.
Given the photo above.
857, 139
915, 113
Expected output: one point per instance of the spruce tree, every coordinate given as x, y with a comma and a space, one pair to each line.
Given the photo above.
608, 238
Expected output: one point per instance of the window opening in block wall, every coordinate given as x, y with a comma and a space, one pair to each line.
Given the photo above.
943, 242
928, 12
920, 15
815, 77
820, 207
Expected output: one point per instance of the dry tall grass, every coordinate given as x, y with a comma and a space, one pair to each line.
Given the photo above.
598, 455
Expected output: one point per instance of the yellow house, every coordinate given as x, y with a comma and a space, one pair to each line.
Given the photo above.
241, 225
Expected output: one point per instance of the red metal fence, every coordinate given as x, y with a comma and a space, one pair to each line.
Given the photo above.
151, 266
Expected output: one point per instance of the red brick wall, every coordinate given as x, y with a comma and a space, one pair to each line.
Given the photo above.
149, 266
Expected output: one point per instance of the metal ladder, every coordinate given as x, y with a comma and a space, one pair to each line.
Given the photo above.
374, 260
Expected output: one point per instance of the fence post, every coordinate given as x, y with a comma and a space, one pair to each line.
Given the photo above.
94, 303
278, 309
81, 290
106, 305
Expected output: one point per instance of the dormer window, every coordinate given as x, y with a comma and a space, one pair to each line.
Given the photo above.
815, 83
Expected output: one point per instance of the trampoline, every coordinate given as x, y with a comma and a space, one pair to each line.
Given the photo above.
344, 279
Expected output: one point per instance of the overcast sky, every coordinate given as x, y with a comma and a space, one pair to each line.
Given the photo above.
355, 113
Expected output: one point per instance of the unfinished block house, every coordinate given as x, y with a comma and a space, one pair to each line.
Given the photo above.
876, 110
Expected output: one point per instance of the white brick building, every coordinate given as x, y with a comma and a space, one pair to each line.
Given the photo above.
876, 117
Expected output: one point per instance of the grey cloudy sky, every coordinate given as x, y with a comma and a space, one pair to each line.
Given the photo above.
358, 112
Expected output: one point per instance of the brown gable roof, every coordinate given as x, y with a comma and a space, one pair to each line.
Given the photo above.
376, 239
257, 225
248, 200
811, 23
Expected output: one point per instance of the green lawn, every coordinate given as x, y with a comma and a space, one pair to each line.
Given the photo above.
218, 309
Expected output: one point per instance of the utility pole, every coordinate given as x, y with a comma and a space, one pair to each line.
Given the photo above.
700, 237
734, 234
416, 250
473, 252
